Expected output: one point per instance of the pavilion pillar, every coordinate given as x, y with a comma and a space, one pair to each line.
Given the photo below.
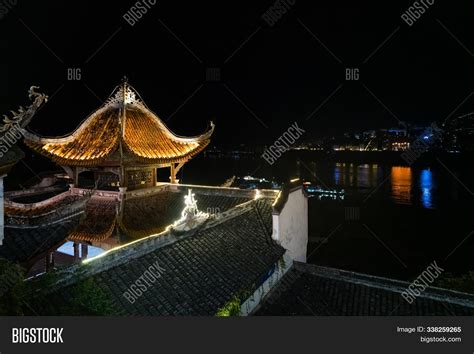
173, 173
84, 251
154, 176
76, 177
76, 251
174, 170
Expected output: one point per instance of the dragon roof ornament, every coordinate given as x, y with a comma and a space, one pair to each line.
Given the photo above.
23, 117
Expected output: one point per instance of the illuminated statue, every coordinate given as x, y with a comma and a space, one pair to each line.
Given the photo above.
190, 216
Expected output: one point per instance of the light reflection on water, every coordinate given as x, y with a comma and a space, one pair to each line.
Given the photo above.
401, 183
404, 185
353, 175
427, 186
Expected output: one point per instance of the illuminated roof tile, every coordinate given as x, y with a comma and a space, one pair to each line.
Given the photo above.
124, 121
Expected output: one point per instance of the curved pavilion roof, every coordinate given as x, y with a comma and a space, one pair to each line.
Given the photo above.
124, 123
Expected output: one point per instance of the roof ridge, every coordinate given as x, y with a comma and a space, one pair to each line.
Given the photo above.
388, 284
257, 204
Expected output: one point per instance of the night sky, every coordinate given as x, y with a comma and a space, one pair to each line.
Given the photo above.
271, 76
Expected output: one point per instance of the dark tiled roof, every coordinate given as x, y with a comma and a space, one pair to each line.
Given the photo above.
312, 290
25, 245
147, 215
99, 221
202, 271
34, 230
31, 210
37, 197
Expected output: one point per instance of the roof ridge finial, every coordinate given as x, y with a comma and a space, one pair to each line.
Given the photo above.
125, 90
126, 95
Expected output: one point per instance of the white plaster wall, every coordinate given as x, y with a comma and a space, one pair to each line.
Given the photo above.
290, 228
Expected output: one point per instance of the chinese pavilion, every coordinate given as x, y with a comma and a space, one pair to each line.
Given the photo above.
123, 143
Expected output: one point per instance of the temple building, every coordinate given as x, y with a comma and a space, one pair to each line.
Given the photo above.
123, 143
